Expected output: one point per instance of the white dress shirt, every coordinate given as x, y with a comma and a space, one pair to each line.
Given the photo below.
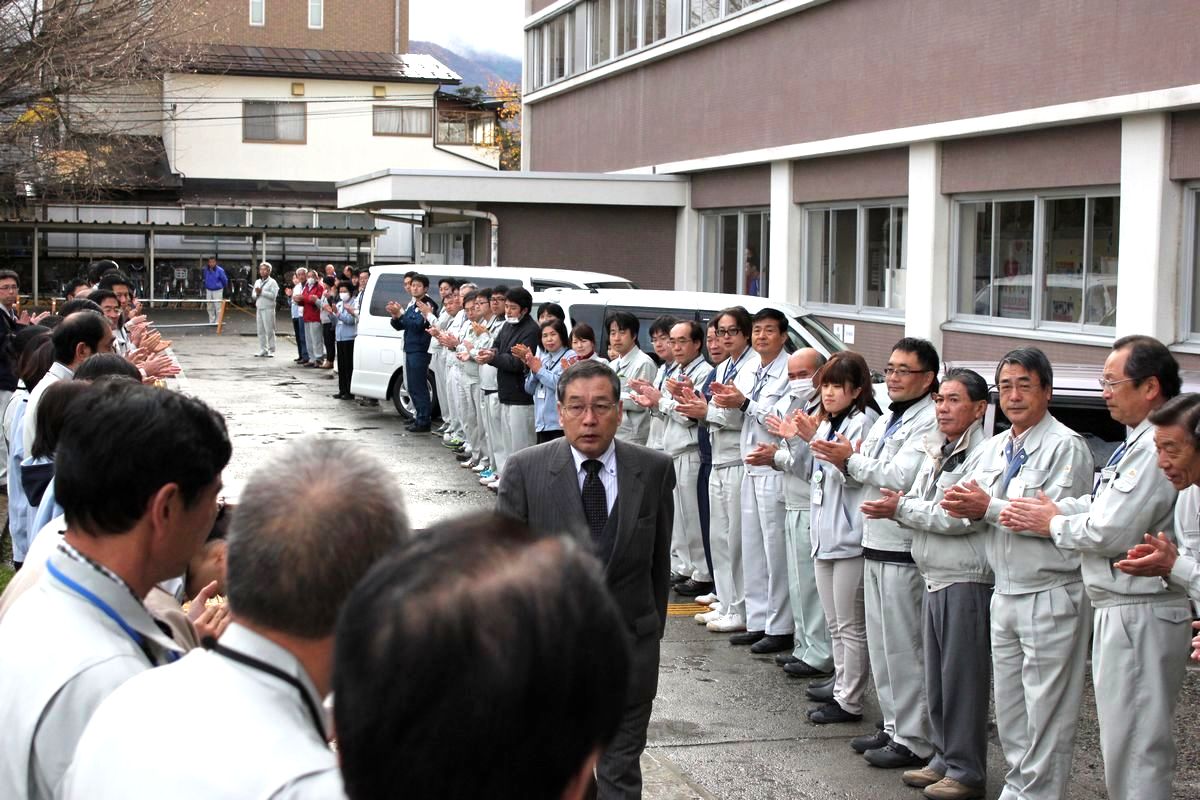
608, 472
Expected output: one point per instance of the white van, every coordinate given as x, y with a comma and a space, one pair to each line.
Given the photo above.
379, 348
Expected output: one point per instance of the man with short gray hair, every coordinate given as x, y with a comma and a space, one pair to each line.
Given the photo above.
259, 691
266, 289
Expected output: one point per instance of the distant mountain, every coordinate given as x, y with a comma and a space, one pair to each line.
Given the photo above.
476, 68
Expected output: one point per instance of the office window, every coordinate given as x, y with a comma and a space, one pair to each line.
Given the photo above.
269, 121
555, 34
627, 25
462, 127
654, 20
579, 38
534, 60
701, 12
601, 28
1061, 272
316, 13
402, 121
855, 256
735, 252
258, 12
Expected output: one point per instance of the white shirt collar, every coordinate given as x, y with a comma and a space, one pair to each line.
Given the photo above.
609, 459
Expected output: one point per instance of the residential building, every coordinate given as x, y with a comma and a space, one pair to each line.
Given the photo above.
984, 175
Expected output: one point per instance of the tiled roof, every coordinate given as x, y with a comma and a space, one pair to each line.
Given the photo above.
294, 62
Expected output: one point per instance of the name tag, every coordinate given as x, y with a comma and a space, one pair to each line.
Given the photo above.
817, 494
541, 393
1016, 488
1108, 475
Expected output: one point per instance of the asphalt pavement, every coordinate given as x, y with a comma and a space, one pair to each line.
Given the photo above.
726, 724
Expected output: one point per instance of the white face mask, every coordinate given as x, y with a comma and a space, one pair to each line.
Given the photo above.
344, 295
513, 320
800, 386
311, 281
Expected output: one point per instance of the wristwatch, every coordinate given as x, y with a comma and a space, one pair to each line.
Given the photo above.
745, 404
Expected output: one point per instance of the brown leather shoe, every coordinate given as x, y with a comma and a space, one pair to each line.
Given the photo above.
920, 778
950, 789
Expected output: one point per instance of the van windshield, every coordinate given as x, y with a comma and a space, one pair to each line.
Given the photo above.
819, 332
391, 287
612, 285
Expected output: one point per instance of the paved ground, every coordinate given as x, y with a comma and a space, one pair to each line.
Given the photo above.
726, 724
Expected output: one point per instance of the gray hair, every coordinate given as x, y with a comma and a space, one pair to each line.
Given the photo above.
582, 370
291, 568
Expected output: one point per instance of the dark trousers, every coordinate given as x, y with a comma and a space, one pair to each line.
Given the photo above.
327, 330
548, 436
416, 373
702, 504
619, 770
958, 670
301, 346
345, 362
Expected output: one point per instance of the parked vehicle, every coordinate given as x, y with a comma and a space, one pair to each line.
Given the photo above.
379, 349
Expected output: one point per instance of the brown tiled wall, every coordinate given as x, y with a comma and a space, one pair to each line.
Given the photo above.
861, 176
854, 66
1185, 145
635, 243
873, 339
1077, 155
534, 6
732, 188
958, 346
365, 25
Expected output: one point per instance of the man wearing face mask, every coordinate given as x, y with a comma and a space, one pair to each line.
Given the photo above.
314, 333
812, 654
516, 405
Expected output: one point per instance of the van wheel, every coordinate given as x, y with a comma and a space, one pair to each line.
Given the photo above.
402, 400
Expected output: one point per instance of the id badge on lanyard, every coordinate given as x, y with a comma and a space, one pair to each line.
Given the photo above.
818, 489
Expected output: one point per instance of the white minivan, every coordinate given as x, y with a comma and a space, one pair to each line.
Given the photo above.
379, 348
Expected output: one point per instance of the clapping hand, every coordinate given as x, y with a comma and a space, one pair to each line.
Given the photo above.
208, 621
1196, 642
727, 395
762, 456
1154, 558
691, 404
966, 501
394, 309
883, 508
836, 452
160, 365
521, 352
1032, 514
484, 355
645, 391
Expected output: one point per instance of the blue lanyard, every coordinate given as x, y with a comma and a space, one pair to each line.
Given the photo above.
108, 611
666, 376
892, 427
760, 382
731, 368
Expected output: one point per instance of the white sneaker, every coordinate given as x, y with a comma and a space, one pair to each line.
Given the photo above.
494, 484
707, 599
705, 617
482, 466
730, 623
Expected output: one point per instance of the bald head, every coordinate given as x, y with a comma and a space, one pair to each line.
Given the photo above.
804, 363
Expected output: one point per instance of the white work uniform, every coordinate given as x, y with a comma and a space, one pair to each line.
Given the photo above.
271, 732
264, 313
764, 549
681, 443
1186, 573
1142, 625
635, 420
68, 643
489, 398
894, 591
1040, 615
725, 485
57, 372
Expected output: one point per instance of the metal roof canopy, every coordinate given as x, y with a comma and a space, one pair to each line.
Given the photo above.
409, 188
297, 62
167, 228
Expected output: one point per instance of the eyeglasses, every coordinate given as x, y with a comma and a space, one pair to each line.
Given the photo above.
1020, 387
727, 331
8, 287
1107, 385
902, 372
577, 410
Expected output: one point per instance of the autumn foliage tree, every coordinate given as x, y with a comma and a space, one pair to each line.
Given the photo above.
509, 133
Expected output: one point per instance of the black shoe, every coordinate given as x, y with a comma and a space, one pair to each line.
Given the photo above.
773, 644
801, 669
879, 725
894, 756
415, 428
746, 637
821, 693
463, 456
783, 659
677, 578
870, 741
693, 588
300, 360
340, 396
831, 713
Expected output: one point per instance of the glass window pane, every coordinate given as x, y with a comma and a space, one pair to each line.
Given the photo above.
701, 12
289, 122
257, 12
975, 258
579, 39
654, 20
765, 256
1062, 257
738, 5
729, 254
710, 233
817, 256
879, 224
388, 120
601, 31
418, 121
316, 13
533, 58
844, 267
1014, 260
627, 26
898, 263
1101, 299
752, 279
258, 121
556, 34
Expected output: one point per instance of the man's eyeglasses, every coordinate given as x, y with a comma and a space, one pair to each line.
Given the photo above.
723, 332
1020, 387
1105, 384
577, 410
902, 372
8, 287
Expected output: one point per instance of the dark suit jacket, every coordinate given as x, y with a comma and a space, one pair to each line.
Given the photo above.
510, 371
540, 486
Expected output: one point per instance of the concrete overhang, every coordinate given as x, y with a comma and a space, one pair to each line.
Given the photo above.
408, 188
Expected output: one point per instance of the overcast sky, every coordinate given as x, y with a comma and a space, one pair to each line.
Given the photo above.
482, 25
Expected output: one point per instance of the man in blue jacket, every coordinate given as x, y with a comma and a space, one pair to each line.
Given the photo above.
414, 322
215, 281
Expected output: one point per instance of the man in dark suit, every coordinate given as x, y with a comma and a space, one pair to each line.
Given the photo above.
415, 321
618, 496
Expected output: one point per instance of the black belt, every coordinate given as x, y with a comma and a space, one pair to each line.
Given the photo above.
489, 391
889, 556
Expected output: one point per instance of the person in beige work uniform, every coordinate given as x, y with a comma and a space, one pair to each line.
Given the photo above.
1141, 624
1040, 616
630, 364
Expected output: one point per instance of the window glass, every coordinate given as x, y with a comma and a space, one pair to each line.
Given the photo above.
1012, 270
579, 39
701, 12
817, 255
264, 121
316, 13
556, 48
601, 31
975, 258
1100, 302
1196, 268
533, 58
401, 121
738, 5
258, 12
754, 256
843, 260
1063, 256
627, 25
654, 20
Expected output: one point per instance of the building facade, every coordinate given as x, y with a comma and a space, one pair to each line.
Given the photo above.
980, 174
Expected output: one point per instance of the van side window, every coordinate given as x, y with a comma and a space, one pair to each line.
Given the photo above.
385, 289
542, 284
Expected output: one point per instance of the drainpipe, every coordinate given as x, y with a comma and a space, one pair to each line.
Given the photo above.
474, 214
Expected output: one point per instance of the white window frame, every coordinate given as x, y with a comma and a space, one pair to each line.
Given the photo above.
858, 308
1188, 277
743, 213
319, 7
1037, 298
261, 5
